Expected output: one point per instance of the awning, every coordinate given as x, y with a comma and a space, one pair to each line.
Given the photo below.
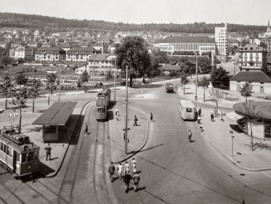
234, 116
57, 114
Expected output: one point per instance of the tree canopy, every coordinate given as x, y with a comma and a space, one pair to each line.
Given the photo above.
220, 77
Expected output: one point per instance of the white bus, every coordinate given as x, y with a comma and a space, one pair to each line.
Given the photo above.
187, 110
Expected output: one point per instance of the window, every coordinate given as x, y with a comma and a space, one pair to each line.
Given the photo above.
23, 157
189, 110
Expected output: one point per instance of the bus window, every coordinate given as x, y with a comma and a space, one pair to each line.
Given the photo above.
189, 110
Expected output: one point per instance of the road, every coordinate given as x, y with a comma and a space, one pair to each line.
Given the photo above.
176, 171
172, 169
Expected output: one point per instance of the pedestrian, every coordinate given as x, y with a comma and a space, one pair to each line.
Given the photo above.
135, 121
116, 111
201, 127
111, 171
190, 136
136, 179
134, 166
120, 168
151, 117
198, 120
48, 152
117, 116
86, 129
126, 167
199, 111
222, 119
126, 179
212, 117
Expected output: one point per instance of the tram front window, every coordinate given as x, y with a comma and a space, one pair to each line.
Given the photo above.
100, 110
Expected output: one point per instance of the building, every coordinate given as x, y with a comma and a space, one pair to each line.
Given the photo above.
252, 57
78, 54
260, 82
177, 44
23, 52
221, 40
99, 65
52, 54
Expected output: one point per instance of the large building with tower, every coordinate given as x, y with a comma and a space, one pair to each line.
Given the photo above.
221, 40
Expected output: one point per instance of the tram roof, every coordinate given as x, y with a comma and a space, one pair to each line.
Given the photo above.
57, 114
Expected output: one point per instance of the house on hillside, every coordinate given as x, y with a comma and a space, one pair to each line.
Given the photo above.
78, 54
52, 54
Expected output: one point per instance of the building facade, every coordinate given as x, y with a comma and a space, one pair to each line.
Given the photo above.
186, 44
23, 52
221, 40
51, 54
252, 57
79, 54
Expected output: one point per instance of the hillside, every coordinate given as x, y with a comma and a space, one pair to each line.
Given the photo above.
61, 24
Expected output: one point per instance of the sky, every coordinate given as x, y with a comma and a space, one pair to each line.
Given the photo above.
248, 12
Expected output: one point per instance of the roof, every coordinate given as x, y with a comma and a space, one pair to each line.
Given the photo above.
80, 50
260, 108
57, 114
51, 50
99, 57
188, 39
251, 47
170, 67
251, 76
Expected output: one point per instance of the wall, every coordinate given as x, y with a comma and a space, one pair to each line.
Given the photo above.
257, 130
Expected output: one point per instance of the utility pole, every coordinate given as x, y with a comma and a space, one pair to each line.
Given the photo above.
115, 79
59, 84
232, 137
196, 84
126, 113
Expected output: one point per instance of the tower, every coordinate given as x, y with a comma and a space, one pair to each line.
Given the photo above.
268, 28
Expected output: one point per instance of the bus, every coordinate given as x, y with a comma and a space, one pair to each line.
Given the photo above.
188, 110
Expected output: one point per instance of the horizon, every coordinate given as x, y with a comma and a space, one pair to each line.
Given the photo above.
244, 12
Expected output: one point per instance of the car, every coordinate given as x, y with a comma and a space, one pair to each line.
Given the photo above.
169, 87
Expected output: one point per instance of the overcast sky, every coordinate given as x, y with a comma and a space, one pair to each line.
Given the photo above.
252, 12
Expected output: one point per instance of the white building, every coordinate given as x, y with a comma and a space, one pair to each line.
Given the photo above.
23, 52
221, 40
78, 54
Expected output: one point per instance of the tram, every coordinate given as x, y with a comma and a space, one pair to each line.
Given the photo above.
18, 154
102, 103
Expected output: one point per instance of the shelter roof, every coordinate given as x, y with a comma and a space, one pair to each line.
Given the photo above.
251, 76
57, 114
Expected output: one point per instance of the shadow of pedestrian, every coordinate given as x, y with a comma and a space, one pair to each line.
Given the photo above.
192, 141
141, 188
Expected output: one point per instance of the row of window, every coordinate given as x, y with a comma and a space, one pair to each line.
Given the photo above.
6, 149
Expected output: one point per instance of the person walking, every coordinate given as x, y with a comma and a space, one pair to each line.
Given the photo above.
126, 167
111, 171
136, 179
48, 152
118, 116
199, 111
86, 129
212, 117
190, 136
135, 121
120, 168
134, 166
126, 179
116, 111
151, 117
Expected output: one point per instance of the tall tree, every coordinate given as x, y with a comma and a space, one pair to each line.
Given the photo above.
35, 91
6, 88
21, 79
246, 90
204, 83
184, 80
5, 60
133, 53
216, 94
51, 80
84, 78
219, 77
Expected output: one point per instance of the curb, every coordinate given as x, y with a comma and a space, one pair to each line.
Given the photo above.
57, 171
132, 153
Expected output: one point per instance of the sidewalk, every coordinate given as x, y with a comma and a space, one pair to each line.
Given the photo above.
219, 137
137, 135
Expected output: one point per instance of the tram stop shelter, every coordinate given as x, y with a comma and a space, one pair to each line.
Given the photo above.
55, 120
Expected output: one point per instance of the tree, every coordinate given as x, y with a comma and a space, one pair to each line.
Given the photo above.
220, 78
133, 53
6, 88
204, 82
246, 90
21, 79
251, 114
21, 96
84, 76
216, 94
51, 79
35, 91
5, 60
184, 80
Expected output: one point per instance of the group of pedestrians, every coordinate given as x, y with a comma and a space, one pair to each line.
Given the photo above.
124, 172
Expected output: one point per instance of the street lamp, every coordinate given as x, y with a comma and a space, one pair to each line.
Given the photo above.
126, 113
